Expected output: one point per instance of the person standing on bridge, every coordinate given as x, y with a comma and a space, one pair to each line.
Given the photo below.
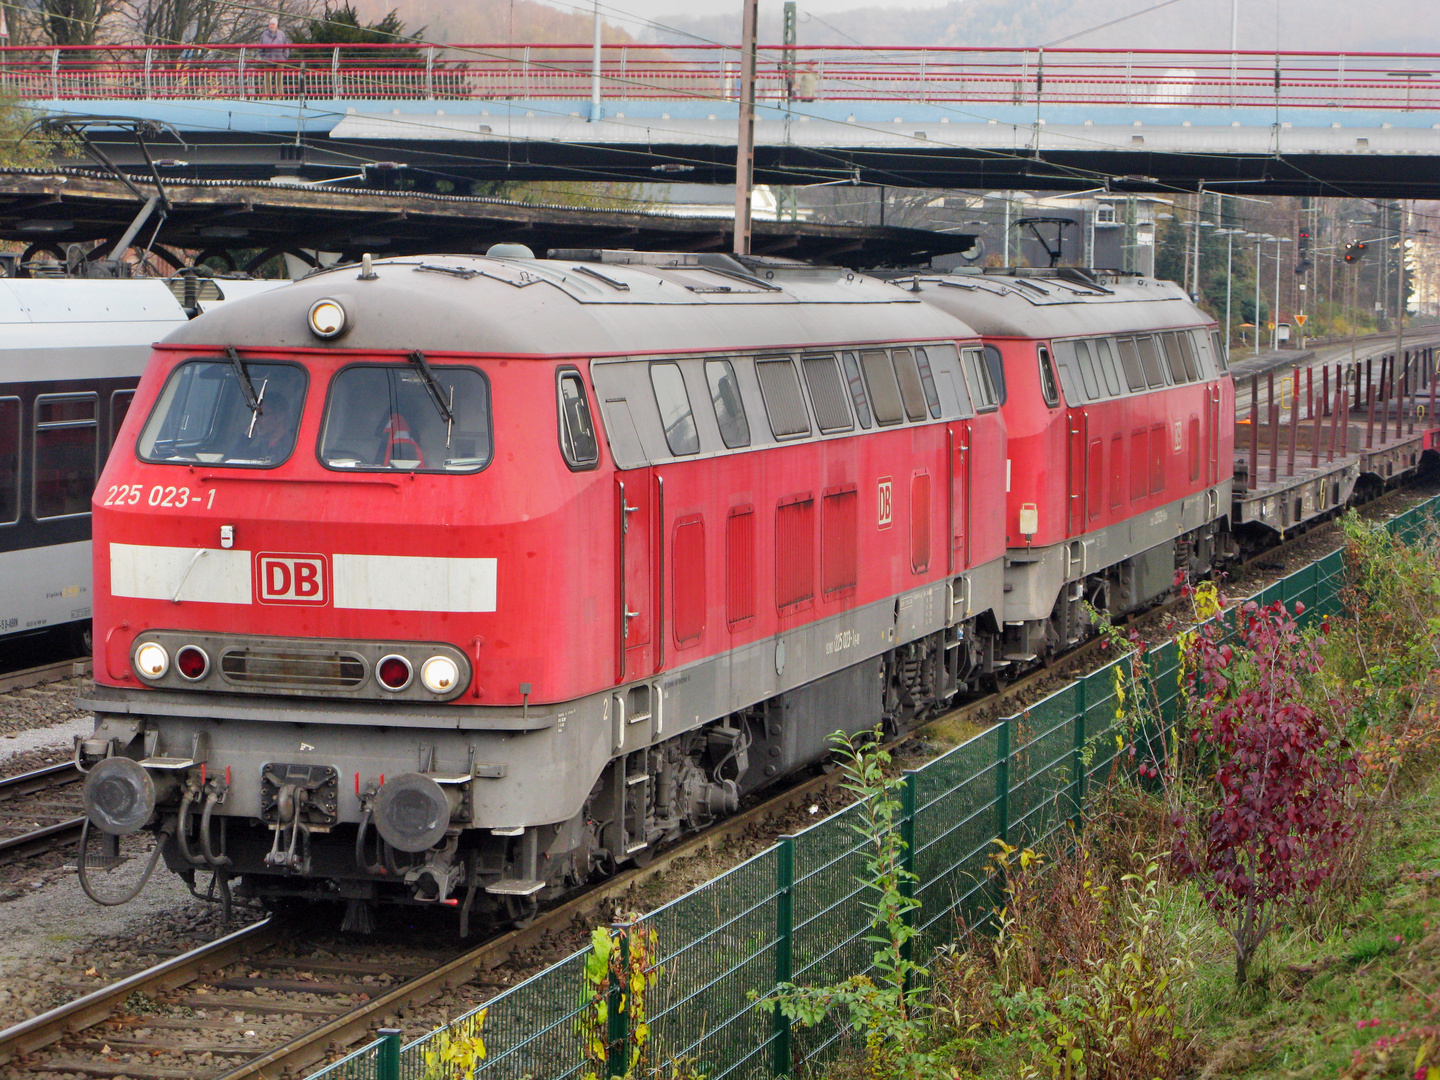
275, 52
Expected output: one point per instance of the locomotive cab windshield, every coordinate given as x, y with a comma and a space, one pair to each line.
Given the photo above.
205, 415
388, 416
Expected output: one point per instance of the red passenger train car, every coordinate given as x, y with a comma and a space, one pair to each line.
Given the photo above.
461, 579
1119, 410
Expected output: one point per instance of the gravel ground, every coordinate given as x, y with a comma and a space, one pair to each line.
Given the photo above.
41, 716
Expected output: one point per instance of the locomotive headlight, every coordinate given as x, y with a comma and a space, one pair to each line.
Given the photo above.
439, 674
152, 661
119, 796
394, 672
327, 318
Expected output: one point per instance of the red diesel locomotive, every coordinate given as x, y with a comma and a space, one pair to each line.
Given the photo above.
1119, 411
460, 579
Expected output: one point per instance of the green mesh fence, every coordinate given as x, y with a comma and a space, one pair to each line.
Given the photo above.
717, 958
796, 912
362, 1064
955, 824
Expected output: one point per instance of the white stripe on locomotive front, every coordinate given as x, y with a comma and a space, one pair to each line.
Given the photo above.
414, 583
361, 582
202, 575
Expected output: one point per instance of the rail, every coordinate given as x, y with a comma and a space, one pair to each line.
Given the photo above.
63, 669
795, 75
29, 1035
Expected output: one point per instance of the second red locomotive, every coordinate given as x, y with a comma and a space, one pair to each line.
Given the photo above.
1120, 416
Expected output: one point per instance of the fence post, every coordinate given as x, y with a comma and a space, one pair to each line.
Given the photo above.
617, 1020
907, 856
387, 1062
1082, 701
784, 953
1002, 782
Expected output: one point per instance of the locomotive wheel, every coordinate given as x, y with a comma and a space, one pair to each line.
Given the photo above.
643, 857
82, 638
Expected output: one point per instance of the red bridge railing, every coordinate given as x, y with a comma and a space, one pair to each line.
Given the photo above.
973, 77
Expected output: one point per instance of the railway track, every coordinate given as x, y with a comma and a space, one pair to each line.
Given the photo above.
25, 788
340, 993
35, 676
255, 972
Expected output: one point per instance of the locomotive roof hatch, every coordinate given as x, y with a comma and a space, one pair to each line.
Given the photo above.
1059, 302
586, 303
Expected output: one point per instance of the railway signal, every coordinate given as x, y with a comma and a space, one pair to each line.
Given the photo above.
1355, 252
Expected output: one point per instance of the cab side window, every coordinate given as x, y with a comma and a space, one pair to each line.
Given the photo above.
1047, 378
577, 432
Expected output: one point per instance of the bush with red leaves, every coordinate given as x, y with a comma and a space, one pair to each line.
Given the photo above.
1269, 823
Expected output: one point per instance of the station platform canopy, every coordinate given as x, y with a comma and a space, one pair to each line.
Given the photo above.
245, 224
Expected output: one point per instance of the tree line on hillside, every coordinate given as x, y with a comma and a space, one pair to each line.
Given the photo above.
202, 22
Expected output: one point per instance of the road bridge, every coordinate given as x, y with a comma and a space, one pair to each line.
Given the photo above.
1057, 119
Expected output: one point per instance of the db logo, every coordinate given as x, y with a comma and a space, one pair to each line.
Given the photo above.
282, 578
886, 502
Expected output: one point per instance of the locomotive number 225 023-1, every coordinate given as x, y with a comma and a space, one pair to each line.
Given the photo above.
160, 495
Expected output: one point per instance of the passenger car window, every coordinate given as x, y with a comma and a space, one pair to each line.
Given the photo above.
784, 401
119, 407
67, 437
880, 381
382, 416
729, 407
577, 432
9, 460
827, 394
857, 389
675, 415
203, 415
911, 391
1047, 378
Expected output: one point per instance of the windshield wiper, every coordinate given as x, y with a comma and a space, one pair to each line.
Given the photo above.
432, 384
242, 373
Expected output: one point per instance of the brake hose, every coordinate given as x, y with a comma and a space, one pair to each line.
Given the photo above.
84, 876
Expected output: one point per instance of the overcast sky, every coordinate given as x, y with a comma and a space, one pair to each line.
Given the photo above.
1404, 25
614, 11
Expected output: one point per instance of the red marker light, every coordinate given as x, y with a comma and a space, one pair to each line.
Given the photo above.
393, 672
192, 662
